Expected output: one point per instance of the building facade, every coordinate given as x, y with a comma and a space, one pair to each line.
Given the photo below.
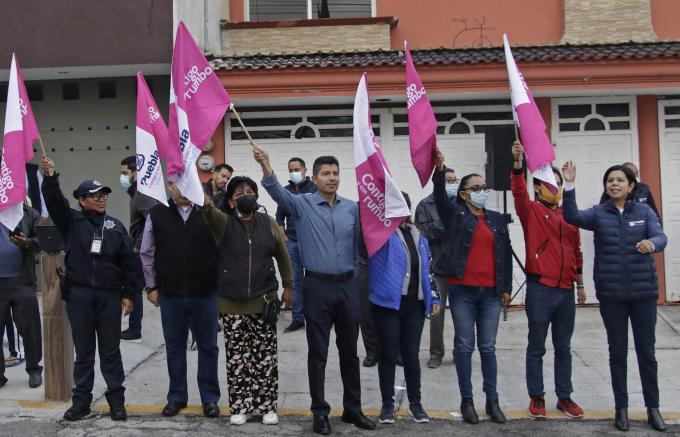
606, 76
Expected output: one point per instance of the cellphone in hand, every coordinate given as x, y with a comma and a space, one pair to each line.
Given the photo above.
15, 233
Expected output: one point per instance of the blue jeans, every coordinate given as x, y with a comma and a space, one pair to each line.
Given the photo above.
475, 307
642, 315
177, 313
296, 265
547, 306
399, 332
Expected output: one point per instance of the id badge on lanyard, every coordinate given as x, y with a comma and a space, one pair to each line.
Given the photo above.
96, 246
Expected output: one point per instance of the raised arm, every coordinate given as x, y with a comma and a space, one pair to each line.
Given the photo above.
444, 205
584, 219
519, 184
286, 200
57, 204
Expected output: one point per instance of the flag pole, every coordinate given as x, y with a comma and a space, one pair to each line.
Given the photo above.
42, 147
245, 129
514, 124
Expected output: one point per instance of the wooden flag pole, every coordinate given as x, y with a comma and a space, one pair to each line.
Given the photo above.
245, 129
42, 146
514, 123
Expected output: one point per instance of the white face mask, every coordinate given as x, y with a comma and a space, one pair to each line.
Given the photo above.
479, 198
125, 181
452, 189
296, 177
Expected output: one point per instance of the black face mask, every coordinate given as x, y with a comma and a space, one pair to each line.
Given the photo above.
246, 204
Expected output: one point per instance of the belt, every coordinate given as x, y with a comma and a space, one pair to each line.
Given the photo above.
340, 277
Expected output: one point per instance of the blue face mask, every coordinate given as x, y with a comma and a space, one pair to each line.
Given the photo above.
296, 177
452, 189
125, 181
479, 198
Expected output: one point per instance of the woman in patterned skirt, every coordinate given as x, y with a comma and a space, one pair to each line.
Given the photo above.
247, 242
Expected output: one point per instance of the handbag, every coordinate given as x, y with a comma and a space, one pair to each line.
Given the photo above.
270, 314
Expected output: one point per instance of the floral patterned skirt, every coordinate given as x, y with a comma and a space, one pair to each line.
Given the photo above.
252, 363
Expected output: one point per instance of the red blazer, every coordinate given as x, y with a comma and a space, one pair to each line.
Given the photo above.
553, 247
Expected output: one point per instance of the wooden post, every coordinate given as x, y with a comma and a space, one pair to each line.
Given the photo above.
57, 340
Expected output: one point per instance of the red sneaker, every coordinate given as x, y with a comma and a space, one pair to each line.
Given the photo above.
569, 407
537, 407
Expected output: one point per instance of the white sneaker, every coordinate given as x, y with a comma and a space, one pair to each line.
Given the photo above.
270, 419
238, 419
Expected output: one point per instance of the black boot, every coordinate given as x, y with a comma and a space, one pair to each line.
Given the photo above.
654, 418
467, 409
493, 410
621, 420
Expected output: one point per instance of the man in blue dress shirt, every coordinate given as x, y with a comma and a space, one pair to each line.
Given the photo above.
327, 228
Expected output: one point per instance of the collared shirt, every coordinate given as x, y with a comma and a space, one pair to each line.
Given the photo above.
328, 235
147, 251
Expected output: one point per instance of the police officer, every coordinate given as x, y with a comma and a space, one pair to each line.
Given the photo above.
100, 268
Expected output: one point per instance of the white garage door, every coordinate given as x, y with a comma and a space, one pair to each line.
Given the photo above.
595, 133
669, 133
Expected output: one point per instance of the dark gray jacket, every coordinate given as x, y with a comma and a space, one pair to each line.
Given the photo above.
29, 221
431, 225
140, 204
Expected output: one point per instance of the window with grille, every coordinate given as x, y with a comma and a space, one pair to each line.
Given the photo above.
461, 120
266, 10
589, 117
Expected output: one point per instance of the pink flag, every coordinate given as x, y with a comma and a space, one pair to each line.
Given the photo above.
21, 132
381, 203
198, 102
422, 126
537, 148
152, 136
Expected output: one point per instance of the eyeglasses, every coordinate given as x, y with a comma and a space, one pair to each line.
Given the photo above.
454, 181
98, 196
477, 188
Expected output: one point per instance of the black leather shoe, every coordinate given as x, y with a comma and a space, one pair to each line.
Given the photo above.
34, 379
172, 408
118, 413
76, 413
493, 410
370, 361
211, 409
294, 326
467, 410
321, 425
3, 381
621, 420
654, 418
358, 419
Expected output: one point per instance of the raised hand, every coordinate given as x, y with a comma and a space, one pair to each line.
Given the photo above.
569, 171
47, 165
517, 151
438, 159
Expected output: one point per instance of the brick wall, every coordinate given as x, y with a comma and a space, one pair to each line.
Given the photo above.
607, 21
290, 40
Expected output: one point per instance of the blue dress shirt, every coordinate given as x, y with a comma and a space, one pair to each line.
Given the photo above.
328, 235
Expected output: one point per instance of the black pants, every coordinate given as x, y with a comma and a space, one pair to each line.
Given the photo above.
135, 319
95, 321
26, 313
399, 332
368, 332
642, 315
326, 304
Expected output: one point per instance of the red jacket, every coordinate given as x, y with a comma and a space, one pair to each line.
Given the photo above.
553, 247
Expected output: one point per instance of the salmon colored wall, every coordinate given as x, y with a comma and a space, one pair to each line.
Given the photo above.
650, 165
236, 11
217, 152
665, 15
431, 23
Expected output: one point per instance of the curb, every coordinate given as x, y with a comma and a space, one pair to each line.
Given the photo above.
197, 410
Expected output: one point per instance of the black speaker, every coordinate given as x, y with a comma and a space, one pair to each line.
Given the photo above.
498, 144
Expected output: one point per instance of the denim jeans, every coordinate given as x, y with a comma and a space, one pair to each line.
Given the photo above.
296, 266
177, 314
547, 306
475, 309
642, 315
399, 332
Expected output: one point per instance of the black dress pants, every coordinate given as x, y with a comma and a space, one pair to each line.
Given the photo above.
328, 303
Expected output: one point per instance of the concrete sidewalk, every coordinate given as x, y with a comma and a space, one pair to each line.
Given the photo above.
147, 380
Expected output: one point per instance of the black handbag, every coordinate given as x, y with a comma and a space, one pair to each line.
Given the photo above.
63, 283
271, 309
